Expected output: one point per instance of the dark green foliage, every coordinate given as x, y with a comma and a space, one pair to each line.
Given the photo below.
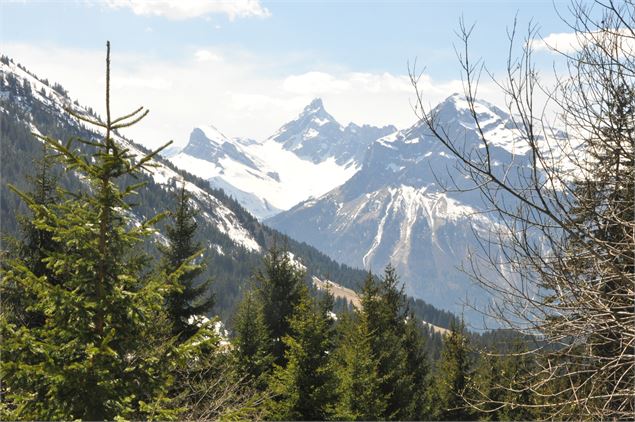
101, 350
430, 314
359, 393
394, 357
252, 342
383, 311
417, 369
187, 298
33, 245
279, 288
600, 255
500, 387
451, 378
304, 389
515, 375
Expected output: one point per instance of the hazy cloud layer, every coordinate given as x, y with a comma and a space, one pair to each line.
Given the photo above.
187, 9
227, 90
570, 42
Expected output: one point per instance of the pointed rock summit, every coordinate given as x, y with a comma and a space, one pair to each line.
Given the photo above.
205, 142
316, 104
315, 135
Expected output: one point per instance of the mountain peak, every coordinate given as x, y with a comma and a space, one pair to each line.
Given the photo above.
205, 141
460, 102
315, 106
457, 106
454, 99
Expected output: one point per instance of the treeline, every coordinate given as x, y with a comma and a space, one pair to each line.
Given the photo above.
371, 363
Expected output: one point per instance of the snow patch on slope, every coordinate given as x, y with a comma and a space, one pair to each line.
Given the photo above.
296, 178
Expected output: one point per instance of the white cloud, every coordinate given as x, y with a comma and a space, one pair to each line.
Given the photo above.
207, 56
570, 42
187, 9
565, 42
313, 83
320, 83
233, 94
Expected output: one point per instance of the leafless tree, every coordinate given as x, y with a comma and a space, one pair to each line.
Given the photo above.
211, 389
565, 251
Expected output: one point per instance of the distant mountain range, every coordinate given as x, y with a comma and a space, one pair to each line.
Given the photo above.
234, 240
305, 158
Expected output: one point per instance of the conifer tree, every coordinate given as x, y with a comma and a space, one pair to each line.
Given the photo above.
279, 290
33, 245
252, 343
101, 352
359, 393
605, 209
417, 370
514, 373
304, 389
451, 378
501, 385
486, 392
384, 314
188, 298
44, 192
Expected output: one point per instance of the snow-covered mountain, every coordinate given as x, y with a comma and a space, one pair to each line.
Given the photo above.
395, 209
316, 136
306, 157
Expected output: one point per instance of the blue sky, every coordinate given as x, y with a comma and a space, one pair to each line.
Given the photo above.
247, 66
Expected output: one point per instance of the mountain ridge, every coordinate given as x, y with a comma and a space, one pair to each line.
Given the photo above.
306, 157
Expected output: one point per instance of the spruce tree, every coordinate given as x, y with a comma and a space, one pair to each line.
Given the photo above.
514, 373
188, 298
417, 370
43, 192
451, 378
384, 314
604, 212
101, 351
486, 392
500, 388
279, 290
304, 389
33, 244
359, 393
252, 343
